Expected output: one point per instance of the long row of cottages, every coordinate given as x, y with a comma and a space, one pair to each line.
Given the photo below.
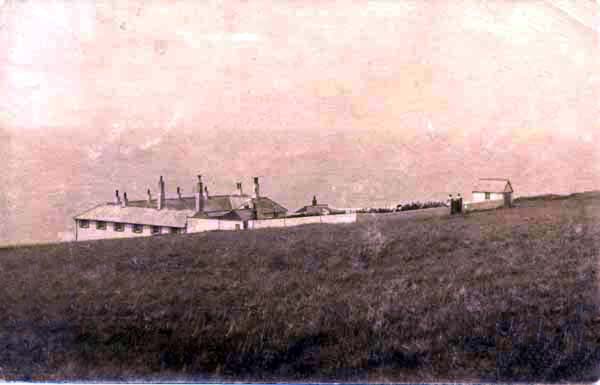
201, 212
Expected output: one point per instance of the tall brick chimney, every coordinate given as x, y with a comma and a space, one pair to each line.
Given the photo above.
179, 192
149, 197
125, 200
117, 197
206, 191
160, 202
239, 188
199, 195
256, 188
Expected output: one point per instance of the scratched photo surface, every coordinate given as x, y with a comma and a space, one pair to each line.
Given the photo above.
366, 191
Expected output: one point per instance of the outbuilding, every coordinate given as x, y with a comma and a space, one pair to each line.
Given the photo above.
493, 189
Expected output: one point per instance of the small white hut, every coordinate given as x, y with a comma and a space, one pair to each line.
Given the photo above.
493, 189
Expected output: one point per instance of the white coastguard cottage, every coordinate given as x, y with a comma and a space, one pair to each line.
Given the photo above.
491, 193
124, 218
202, 212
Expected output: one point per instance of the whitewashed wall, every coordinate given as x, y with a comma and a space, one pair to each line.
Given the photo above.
484, 205
287, 222
92, 233
265, 223
480, 197
197, 225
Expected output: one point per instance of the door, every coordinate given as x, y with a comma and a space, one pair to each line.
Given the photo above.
245, 225
506, 199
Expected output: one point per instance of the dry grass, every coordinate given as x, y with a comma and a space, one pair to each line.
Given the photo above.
498, 295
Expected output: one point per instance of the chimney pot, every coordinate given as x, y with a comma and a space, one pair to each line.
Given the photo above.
125, 200
179, 192
149, 196
256, 188
117, 198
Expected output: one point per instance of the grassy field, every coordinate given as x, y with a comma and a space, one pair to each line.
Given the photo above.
506, 294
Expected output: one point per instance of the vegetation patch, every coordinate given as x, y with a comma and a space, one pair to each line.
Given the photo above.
503, 295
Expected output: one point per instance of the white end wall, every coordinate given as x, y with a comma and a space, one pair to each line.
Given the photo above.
198, 225
480, 197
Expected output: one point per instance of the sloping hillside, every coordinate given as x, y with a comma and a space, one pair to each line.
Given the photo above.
505, 294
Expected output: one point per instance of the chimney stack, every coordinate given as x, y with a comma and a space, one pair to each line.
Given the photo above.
125, 201
149, 197
179, 192
199, 195
256, 188
239, 188
314, 202
117, 197
160, 202
206, 191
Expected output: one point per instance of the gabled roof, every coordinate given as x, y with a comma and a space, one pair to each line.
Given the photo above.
183, 203
267, 205
177, 210
225, 203
239, 215
493, 185
313, 208
111, 212
320, 208
234, 207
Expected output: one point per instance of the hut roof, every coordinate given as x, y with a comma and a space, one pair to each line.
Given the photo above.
493, 185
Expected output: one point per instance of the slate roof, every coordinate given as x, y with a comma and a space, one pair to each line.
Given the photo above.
493, 185
267, 205
212, 203
183, 203
111, 212
239, 215
177, 210
225, 203
305, 208
319, 208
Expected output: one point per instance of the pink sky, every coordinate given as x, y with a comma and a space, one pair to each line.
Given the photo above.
361, 103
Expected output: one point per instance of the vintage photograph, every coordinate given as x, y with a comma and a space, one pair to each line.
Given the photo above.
315, 191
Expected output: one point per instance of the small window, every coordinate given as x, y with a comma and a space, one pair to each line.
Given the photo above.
487, 196
84, 224
138, 228
155, 229
119, 227
101, 225
174, 230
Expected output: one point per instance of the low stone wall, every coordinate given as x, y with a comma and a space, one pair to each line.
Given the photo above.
296, 221
197, 225
484, 205
408, 214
